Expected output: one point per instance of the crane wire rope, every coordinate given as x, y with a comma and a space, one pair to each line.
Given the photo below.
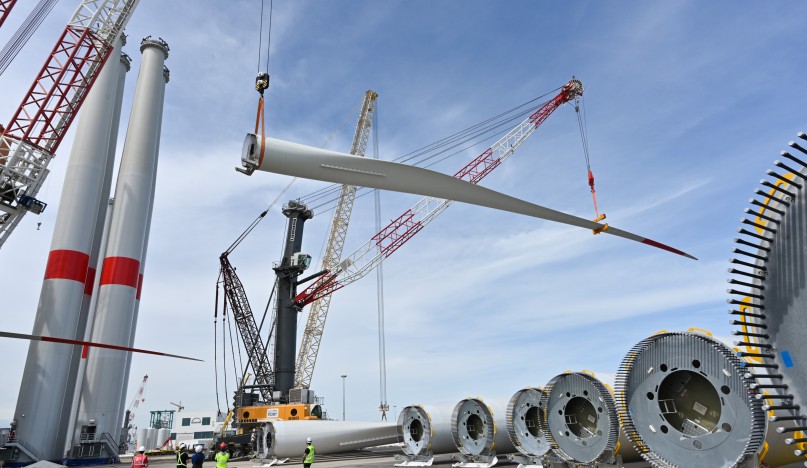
461, 136
382, 358
452, 142
215, 345
330, 202
583, 125
232, 349
224, 354
24, 33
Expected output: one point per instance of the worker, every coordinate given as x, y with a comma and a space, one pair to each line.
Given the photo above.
198, 458
223, 456
308, 458
182, 456
140, 460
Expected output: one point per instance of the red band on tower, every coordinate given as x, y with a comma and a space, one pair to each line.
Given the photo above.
120, 270
67, 264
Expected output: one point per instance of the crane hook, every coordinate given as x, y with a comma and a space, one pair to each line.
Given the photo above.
262, 82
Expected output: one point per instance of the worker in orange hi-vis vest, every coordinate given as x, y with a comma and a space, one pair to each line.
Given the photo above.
140, 460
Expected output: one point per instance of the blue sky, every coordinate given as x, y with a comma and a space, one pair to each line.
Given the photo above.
687, 104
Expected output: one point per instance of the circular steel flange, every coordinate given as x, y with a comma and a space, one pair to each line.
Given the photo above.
414, 430
524, 416
768, 293
473, 427
580, 418
684, 401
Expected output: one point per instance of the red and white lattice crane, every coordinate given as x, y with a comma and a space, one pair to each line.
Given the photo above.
403, 228
5, 9
39, 124
139, 397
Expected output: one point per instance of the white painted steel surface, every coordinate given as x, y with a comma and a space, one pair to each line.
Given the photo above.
151, 438
47, 388
285, 439
425, 430
98, 245
523, 422
162, 436
104, 379
122, 406
479, 428
142, 437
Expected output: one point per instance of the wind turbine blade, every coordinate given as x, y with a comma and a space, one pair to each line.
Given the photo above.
294, 159
22, 336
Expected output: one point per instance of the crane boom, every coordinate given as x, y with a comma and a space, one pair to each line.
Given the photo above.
5, 9
41, 121
318, 312
245, 320
403, 228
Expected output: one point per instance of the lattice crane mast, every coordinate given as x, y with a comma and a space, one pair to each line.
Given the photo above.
318, 312
403, 228
5, 9
236, 297
41, 121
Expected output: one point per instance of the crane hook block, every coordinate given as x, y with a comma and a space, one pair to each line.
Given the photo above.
261, 82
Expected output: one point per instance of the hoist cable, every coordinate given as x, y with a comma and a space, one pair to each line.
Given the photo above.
332, 190
232, 350
224, 354
215, 350
269, 38
260, 36
24, 32
581, 123
451, 138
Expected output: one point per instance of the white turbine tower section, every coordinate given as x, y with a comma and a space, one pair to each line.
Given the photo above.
284, 439
166, 75
294, 159
68, 278
98, 246
424, 431
479, 430
580, 419
120, 278
705, 407
524, 416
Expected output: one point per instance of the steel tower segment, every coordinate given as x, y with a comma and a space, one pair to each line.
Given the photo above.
39, 124
242, 314
318, 312
403, 228
5, 9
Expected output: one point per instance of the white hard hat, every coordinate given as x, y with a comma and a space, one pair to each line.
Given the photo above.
141, 449
308, 440
198, 448
182, 446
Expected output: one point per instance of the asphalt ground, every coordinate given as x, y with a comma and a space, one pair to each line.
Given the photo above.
358, 459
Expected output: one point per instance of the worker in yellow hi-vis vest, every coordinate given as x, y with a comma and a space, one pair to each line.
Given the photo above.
308, 458
223, 456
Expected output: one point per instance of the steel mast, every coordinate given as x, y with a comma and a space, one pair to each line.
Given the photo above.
403, 228
315, 325
45, 114
5, 9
